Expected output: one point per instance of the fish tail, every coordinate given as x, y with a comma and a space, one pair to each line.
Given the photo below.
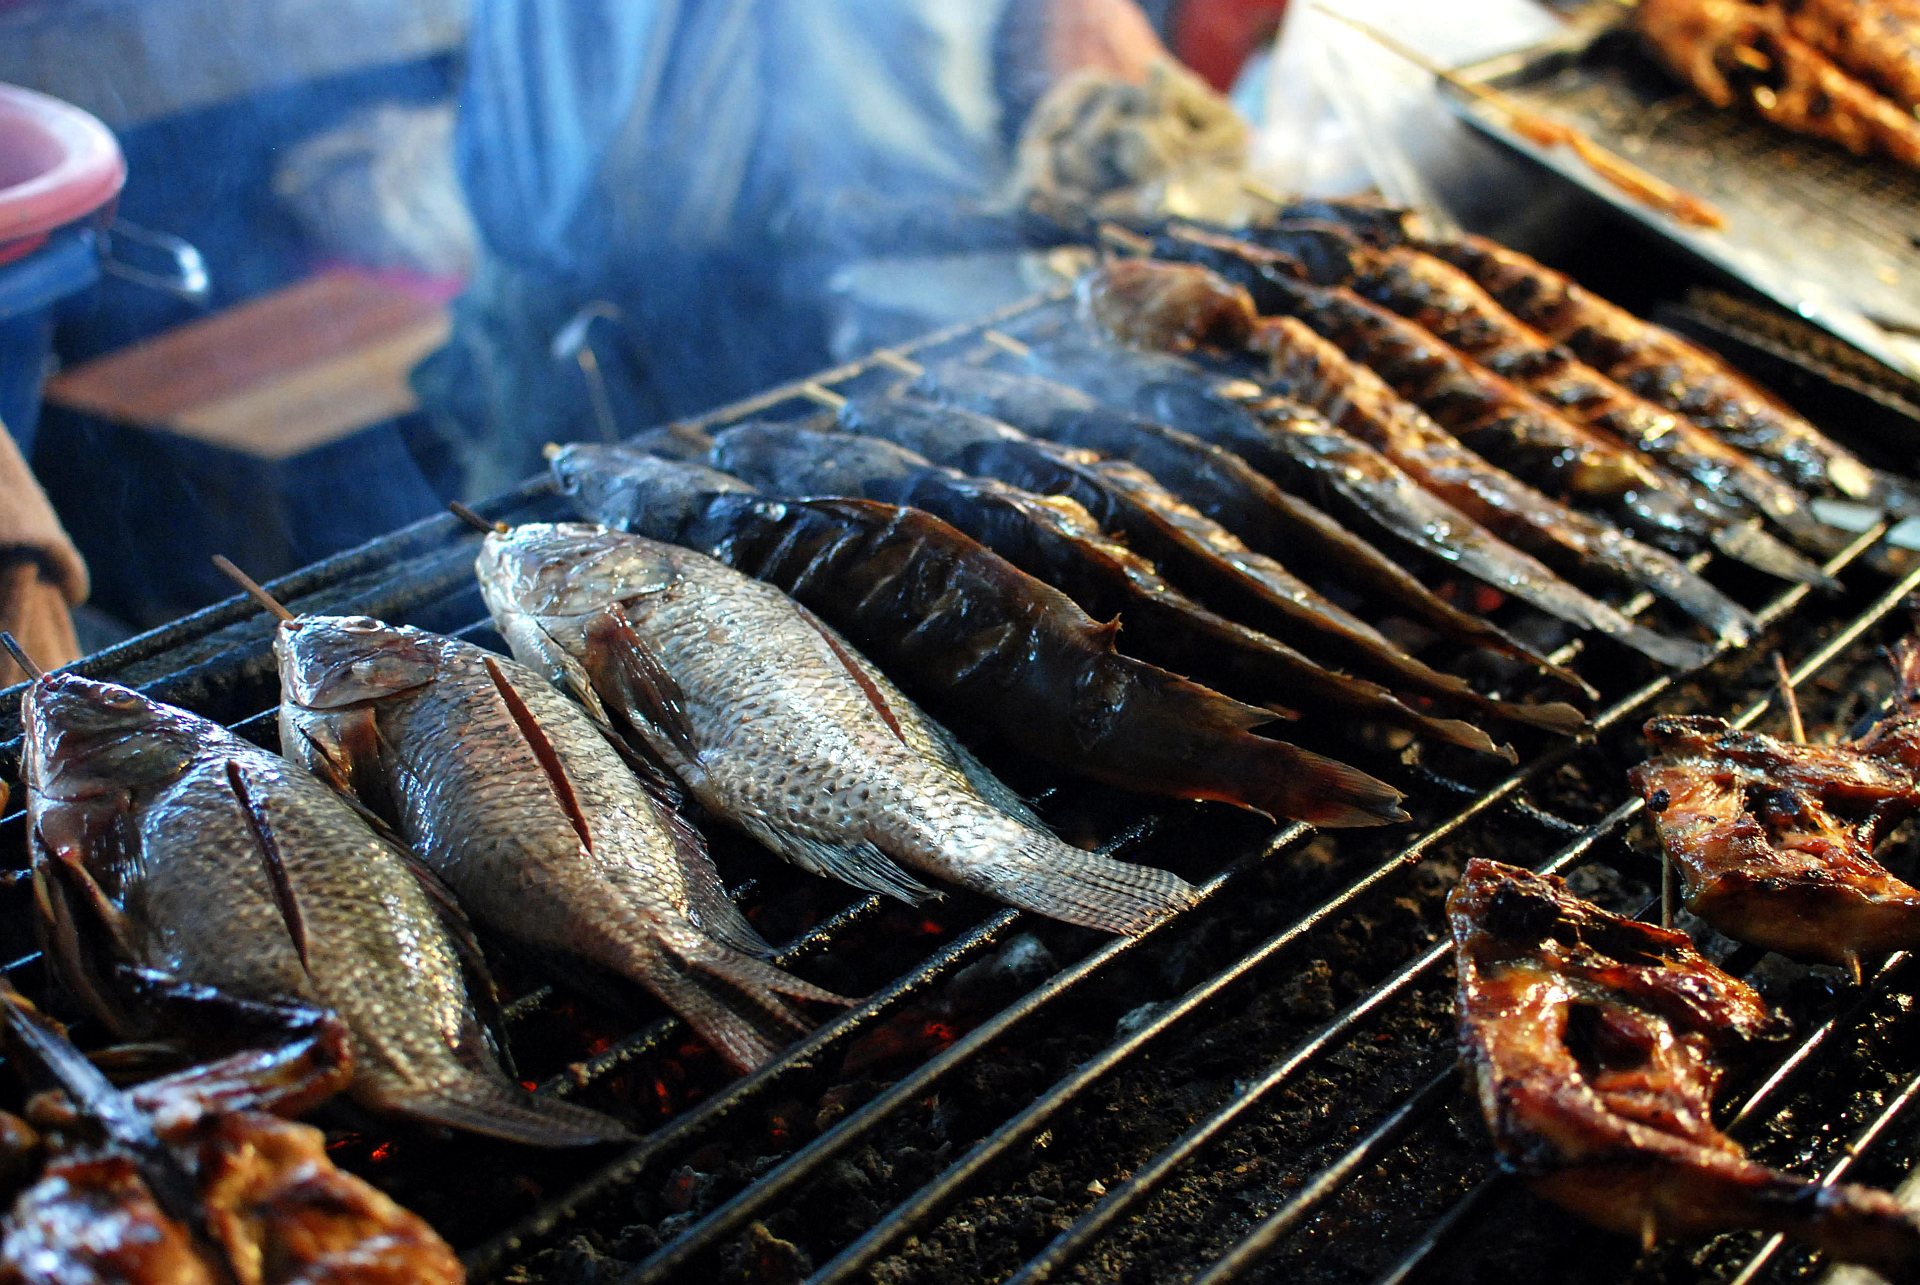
1063, 882
706, 984
1285, 780
1754, 545
475, 1102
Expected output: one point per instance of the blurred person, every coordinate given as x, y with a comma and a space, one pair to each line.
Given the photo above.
692, 171
41, 575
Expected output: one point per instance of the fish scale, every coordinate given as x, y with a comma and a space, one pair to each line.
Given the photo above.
526, 809
773, 722
231, 869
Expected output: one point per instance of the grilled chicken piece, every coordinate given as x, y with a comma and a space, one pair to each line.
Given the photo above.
1596, 1042
1878, 41
1732, 51
1775, 840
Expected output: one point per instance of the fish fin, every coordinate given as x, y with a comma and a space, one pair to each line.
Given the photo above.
755, 976
322, 758
543, 752
1752, 544
276, 868
857, 671
747, 1040
860, 863
627, 673
497, 1108
1087, 888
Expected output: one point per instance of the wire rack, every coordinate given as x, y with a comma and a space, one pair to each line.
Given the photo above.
1283, 1221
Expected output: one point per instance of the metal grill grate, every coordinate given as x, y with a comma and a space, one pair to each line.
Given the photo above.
1169, 1157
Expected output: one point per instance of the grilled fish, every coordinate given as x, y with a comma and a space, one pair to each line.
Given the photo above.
1775, 840
1878, 41
775, 723
1507, 426
1308, 366
1125, 499
1596, 1042
162, 842
1302, 449
1054, 539
521, 804
1668, 371
967, 628
1223, 486
1727, 486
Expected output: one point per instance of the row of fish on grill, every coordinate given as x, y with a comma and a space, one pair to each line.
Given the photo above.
1154, 477
1598, 1042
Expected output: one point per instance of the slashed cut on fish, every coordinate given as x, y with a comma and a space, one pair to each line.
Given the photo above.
521, 803
774, 722
170, 853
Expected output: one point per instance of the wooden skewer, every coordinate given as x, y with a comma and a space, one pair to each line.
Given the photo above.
473, 519
815, 391
1649, 189
19, 654
252, 589
1006, 343
1789, 700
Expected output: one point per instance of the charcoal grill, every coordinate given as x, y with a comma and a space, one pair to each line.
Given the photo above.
1262, 1088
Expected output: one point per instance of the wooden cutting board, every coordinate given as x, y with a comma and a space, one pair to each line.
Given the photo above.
273, 377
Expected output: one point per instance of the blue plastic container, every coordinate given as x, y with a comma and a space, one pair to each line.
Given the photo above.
31, 288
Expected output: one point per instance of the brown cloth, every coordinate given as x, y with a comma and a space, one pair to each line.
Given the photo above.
41, 574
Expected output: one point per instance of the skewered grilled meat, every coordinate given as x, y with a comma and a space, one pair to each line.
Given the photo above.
1668, 371
1453, 307
1736, 51
511, 794
1126, 500
1054, 539
773, 722
263, 1203
1312, 368
967, 628
1299, 447
168, 853
1221, 485
1596, 1044
1876, 40
1775, 840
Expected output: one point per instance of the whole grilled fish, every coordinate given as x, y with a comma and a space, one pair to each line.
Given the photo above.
163, 842
1222, 485
1302, 449
1055, 540
963, 626
772, 721
1313, 368
518, 800
1453, 306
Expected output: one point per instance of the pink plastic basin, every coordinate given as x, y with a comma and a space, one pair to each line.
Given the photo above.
58, 164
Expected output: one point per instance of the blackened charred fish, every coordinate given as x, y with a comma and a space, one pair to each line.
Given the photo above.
1456, 310
520, 803
163, 842
1303, 450
773, 722
1306, 365
1597, 1043
963, 626
1223, 486
1669, 371
1195, 550
1054, 539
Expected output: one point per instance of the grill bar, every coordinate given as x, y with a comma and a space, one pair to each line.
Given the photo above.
906, 1218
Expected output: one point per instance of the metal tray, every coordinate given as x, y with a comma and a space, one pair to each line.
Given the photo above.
1833, 238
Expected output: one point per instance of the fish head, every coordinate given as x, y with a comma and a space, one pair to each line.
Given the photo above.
80, 729
330, 662
635, 489
802, 460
